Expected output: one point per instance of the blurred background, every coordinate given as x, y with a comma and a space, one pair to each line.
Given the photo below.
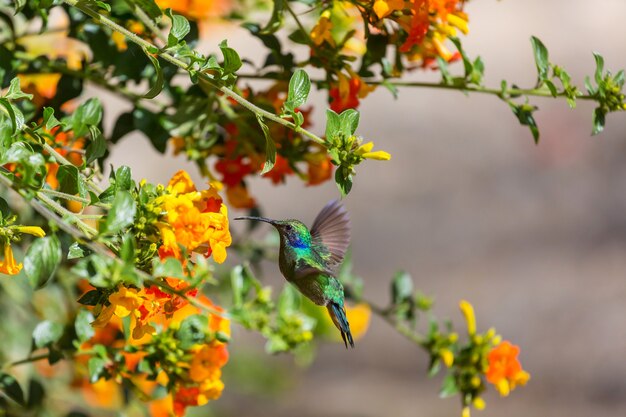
533, 236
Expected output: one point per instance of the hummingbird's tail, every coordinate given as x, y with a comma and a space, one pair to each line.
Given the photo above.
338, 314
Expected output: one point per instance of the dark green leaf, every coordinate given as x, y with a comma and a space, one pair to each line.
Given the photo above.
524, 113
192, 331
15, 115
270, 147
598, 121
98, 147
5, 211
122, 213
36, 394
343, 181
180, 28
232, 61
127, 251
87, 114
11, 388
91, 298
149, 7
82, 325
71, 182
276, 21
46, 333
160, 80
41, 260
299, 88
541, 58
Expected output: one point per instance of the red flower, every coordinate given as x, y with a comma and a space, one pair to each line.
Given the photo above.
233, 170
280, 171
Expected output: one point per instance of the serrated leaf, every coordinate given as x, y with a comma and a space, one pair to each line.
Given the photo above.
121, 214
299, 88
159, 82
41, 260
46, 333
270, 147
180, 28
232, 61
98, 147
541, 58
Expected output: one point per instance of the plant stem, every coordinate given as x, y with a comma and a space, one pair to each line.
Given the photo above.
28, 360
183, 65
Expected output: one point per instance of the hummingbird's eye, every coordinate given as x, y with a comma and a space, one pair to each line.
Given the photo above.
289, 227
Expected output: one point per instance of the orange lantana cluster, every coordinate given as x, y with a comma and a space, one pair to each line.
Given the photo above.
505, 370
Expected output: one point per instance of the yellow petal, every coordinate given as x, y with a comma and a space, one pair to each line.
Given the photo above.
378, 155
32, 230
470, 318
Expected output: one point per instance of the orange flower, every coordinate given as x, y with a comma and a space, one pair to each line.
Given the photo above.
238, 197
505, 370
233, 170
346, 94
197, 9
320, 168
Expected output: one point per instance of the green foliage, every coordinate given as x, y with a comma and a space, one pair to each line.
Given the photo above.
41, 260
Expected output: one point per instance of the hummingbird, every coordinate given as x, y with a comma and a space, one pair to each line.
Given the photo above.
309, 259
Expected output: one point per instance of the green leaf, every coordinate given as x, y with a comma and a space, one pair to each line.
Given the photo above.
299, 88
541, 58
343, 181
91, 298
333, 124
36, 394
150, 8
401, 287
349, 122
180, 28
76, 251
232, 61
122, 213
449, 388
98, 147
46, 333
598, 121
5, 211
170, 267
288, 300
48, 118
15, 92
192, 331
270, 147
19, 5
11, 388
524, 113
87, 114
157, 87
82, 325
127, 251
71, 182
276, 21
96, 367
445, 72
16, 116
467, 63
123, 178
599, 67
41, 260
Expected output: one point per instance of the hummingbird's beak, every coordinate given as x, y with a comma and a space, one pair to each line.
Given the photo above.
261, 219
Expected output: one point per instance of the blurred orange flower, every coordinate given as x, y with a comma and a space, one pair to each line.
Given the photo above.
504, 370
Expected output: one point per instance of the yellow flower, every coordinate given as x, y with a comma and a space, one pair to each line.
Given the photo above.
479, 403
470, 318
8, 265
365, 151
459, 21
322, 30
384, 8
447, 357
125, 300
31, 230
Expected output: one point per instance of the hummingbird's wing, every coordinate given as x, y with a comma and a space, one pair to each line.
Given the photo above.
331, 233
